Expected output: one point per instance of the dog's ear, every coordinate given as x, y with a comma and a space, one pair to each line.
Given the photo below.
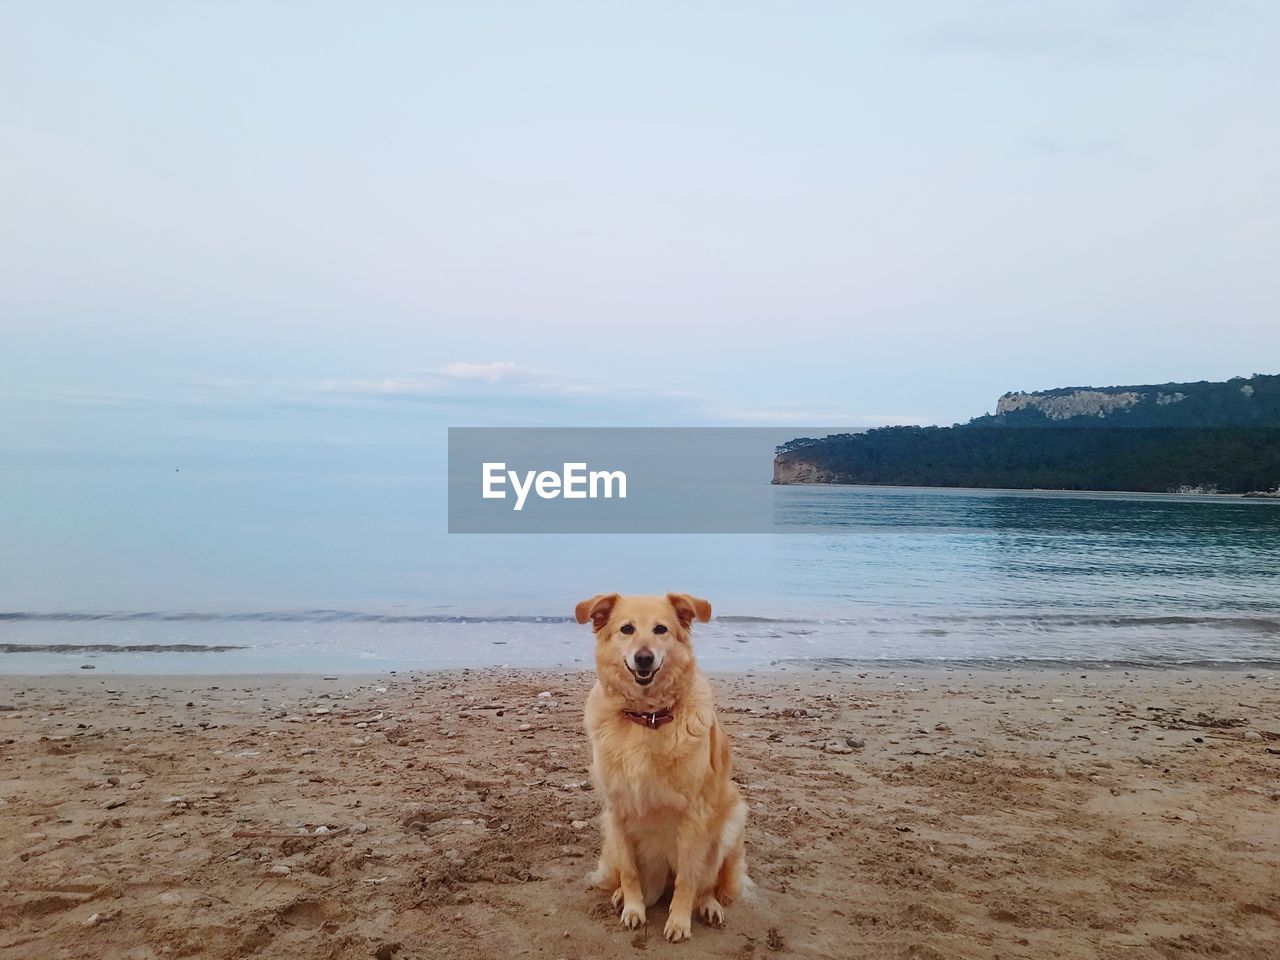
597, 609
688, 608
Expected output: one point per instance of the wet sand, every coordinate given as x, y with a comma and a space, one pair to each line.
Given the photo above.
908, 813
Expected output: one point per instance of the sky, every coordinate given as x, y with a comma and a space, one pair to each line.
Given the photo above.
313, 235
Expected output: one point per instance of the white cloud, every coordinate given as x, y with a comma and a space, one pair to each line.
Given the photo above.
468, 382
387, 386
485, 372
503, 377
812, 417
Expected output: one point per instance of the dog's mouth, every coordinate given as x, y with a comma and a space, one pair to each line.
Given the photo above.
645, 678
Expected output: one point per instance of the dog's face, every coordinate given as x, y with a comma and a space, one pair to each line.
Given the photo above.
642, 643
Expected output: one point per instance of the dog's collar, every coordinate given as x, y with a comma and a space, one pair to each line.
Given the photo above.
653, 721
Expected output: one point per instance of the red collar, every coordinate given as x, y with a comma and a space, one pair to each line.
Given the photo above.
653, 721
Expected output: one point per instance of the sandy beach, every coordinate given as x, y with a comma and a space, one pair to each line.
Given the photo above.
907, 813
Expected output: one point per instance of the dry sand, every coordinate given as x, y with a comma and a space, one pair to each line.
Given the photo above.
989, 814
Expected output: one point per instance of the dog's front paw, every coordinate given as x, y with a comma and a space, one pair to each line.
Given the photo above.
711, 912
677, 929
632, 914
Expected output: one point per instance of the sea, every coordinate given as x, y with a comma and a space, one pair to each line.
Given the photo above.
882, 576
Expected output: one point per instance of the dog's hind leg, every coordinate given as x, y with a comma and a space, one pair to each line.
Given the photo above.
605, 877
709, 910
733, 868
729, 880
606, 873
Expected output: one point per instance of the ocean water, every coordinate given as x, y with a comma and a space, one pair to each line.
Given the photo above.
897, 575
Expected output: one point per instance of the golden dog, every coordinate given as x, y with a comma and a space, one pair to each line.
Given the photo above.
661, 763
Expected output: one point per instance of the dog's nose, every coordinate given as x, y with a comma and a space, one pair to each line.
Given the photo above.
644, 659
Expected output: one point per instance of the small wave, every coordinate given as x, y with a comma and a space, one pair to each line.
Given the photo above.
996, 663
741, 619
873, 622
928, 623
268, 616
116, 648
1254, 624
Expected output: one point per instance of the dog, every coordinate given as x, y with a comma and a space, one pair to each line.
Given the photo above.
673, 818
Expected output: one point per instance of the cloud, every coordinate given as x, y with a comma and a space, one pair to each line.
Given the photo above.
495, 378
462, 378
802, 417
499, 388
485, 372
1074, 33
525, 379
497, 383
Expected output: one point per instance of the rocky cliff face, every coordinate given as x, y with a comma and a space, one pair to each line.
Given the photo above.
789, 470
1063, 406
1235, 402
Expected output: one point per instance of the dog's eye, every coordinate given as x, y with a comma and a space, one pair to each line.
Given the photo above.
628, 629
659, 629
